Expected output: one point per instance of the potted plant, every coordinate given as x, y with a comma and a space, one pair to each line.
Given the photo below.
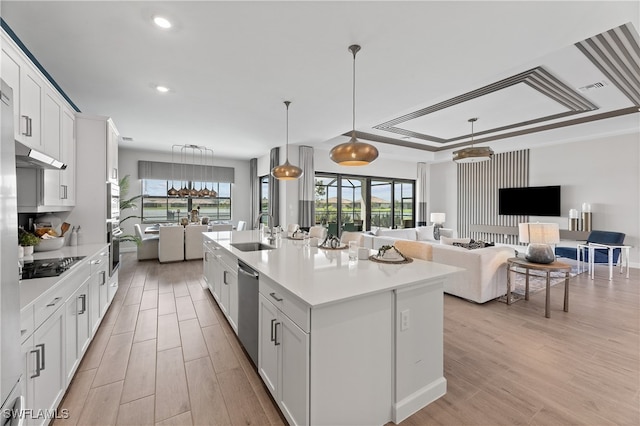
128, 203
27, 240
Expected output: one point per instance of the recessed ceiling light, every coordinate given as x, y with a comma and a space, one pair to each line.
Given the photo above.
162, 89
162, 22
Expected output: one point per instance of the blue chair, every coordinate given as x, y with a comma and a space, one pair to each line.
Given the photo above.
600, 255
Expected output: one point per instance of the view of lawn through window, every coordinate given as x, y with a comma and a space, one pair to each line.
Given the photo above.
158, 207
341, 202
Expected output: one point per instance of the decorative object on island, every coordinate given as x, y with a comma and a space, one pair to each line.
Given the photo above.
354, 152
586, 217
190, 174
539, 236
438, 221
472, 154
287, 171
574, 220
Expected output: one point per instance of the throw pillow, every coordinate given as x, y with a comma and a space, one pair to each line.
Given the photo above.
425, 233
450, 241
474, 245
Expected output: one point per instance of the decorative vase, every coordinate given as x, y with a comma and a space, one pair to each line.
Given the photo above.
20, 252
28, 250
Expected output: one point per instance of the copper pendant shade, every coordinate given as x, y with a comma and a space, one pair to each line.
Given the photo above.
287, 171
354, 152
472, 154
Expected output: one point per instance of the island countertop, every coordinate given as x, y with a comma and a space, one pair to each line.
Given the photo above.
320, 276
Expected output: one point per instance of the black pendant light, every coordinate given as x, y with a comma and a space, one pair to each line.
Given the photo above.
354, 152
287, 171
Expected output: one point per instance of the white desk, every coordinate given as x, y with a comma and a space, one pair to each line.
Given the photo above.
624, 257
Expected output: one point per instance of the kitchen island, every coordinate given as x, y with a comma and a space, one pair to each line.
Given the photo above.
339, 342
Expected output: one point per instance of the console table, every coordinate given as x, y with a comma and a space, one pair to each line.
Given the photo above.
517, 262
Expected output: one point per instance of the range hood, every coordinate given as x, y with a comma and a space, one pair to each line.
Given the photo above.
32, 159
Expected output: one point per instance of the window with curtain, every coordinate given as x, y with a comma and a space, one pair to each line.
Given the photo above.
264, 197
356, 203
158, 207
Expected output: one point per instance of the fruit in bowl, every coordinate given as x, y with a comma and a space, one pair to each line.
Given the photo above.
48, 243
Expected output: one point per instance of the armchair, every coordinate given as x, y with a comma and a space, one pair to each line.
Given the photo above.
600, 255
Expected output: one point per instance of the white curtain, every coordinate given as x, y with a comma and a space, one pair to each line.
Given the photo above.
421, 193
254, 183
274, 187
306, 188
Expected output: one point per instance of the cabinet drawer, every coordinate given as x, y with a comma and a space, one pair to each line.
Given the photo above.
48, 303
297, 311
99, 261
26, 323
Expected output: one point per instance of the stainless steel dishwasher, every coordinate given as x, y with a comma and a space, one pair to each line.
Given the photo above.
248, 310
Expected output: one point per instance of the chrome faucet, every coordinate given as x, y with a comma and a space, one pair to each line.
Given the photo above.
271, 238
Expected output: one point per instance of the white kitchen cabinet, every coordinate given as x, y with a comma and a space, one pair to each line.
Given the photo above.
98, 292
52, 118
112, 153
45, 379
77, 328
221, 274
283, 361
212, 267
112, 288
28, 90
68, 156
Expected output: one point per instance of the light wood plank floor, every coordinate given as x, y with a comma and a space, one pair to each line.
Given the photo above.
165, 355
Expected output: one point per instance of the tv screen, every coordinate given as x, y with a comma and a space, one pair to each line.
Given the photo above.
529, 201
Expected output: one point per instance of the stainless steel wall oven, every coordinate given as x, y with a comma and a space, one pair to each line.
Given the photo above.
113, 226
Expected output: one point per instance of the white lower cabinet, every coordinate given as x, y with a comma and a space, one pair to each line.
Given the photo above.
44, 372
77, 327
221, 275
283, 361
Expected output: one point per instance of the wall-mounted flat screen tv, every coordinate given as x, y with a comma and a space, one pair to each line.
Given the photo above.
530, 201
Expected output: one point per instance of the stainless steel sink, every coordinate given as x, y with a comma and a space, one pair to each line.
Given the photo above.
252, 246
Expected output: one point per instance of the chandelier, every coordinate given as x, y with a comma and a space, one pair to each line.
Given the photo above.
472, 154
194, 169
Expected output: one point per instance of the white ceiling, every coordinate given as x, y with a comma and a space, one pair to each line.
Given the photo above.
230, 66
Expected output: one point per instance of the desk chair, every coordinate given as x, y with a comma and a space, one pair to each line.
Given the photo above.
148, 247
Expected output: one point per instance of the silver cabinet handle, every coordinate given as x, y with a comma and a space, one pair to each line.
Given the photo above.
37, 373
275, 296
273, 339
54, 302
41, 345
224, 277
83, 297
96, 262
27, 126
103, 277
275, 332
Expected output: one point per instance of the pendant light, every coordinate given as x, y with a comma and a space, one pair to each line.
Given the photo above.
183, 192
193, 192
472, 154
172, 192
354, 152
204, 191
287, 171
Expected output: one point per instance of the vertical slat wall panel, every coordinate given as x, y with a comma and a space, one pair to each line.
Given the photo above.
478, 185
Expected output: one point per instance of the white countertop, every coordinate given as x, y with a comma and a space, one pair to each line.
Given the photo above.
318, 276
30, 290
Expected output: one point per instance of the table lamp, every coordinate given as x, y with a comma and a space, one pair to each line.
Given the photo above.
539, 236
438, 220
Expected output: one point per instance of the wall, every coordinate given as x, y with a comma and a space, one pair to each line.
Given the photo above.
604, 172
240, 190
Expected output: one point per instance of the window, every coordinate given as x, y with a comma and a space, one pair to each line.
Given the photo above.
355, 203
158, 207
264, 198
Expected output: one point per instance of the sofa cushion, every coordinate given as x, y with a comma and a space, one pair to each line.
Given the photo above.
450, 241
425, 233
400, 234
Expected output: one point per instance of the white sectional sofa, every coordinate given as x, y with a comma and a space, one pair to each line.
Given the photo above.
484, 277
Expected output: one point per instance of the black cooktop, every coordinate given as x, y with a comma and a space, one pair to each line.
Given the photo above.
43, 268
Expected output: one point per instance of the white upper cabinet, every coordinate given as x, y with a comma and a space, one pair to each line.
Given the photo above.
112, 153
68, 156
28, 93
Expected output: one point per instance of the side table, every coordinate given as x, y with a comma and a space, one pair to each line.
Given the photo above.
556, 266
624, 257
